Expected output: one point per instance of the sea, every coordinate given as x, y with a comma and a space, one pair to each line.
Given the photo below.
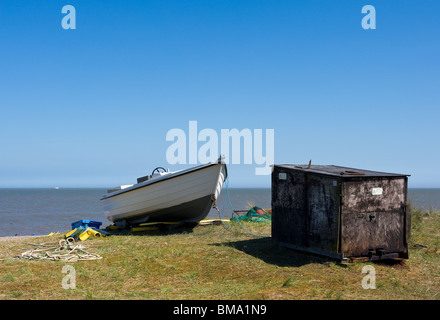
43, 211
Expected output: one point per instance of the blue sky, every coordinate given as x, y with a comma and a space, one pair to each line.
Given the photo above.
91, 107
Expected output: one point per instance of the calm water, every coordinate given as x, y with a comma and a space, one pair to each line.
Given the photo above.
41, 211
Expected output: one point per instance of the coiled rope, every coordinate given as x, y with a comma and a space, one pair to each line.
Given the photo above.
64, 250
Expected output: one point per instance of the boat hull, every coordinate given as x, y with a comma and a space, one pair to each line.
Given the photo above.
188, 212
185, 196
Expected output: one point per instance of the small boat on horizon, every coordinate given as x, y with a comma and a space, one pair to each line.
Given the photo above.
184, 196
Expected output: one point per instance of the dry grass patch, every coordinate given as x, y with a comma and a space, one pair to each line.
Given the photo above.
212, 262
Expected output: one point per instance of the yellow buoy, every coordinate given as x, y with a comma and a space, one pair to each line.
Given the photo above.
84, 236
94, 232
71, 233
90, 232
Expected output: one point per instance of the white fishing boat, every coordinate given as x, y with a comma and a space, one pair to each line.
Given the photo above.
181, 196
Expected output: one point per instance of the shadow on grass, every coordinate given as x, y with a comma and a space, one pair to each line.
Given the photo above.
393, 263
270, 252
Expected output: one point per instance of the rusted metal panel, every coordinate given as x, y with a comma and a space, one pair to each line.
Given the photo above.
323, 213
338, 171
340, 212
305, 210
289, 207
373, 220
373, 194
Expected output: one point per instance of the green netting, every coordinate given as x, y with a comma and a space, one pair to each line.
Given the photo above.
255, 214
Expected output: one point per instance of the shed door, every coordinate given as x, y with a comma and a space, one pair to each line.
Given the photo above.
373, 216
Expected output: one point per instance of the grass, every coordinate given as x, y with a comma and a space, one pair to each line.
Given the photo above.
211, 262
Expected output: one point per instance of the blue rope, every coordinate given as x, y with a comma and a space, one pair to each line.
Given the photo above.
232, 208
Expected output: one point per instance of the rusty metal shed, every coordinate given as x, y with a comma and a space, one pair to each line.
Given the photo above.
340, 212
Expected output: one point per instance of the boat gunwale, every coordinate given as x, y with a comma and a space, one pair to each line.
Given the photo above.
166, 177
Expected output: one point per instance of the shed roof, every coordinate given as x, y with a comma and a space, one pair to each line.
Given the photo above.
339, 171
